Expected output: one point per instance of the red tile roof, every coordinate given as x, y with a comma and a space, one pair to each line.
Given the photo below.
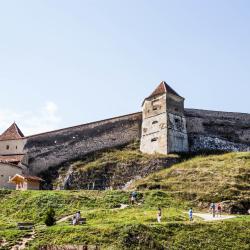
11, 158
12, 133
33, 178
162, 88
26, 177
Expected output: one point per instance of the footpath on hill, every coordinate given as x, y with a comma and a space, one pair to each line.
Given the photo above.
30, 236
209, 217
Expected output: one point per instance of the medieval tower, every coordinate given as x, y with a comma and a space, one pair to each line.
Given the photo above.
164, 125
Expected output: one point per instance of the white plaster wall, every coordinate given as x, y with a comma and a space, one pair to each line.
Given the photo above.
15, 147
157, 130
7, 171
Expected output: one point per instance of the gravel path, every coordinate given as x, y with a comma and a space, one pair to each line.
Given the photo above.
209, 217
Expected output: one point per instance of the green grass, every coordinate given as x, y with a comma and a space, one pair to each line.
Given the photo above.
134, 227
205, 178
103, 166
195, 182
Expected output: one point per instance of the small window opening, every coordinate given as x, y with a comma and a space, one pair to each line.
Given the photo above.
154, 108
16, 147
7, 147
154, 122
154, 139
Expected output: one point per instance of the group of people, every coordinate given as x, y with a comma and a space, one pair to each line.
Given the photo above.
76, 218
215, 209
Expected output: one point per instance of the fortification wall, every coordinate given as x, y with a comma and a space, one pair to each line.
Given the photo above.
215, 130
207, 130
57, 147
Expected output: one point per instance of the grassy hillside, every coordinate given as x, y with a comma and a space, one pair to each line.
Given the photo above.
109, 169
109, 227
203, 179
194, 182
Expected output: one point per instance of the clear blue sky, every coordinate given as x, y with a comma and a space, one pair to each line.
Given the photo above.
64, 63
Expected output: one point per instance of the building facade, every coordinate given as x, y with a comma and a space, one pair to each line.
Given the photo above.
164, 128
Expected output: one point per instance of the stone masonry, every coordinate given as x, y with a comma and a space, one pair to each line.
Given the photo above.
164, 126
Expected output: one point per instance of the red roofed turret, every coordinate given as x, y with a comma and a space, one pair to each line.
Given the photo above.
12, 133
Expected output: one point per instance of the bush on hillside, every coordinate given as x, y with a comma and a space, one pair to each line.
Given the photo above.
50, 217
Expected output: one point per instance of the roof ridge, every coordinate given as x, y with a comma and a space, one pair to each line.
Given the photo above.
163, 88
13, 132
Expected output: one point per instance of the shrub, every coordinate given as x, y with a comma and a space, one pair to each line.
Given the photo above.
50, 217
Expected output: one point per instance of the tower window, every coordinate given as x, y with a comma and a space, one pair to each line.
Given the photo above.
154, 108
16, 147
154, 139
7, 147
154, 122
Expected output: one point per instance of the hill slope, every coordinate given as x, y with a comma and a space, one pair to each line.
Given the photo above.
109, 169
204, 179
109, 227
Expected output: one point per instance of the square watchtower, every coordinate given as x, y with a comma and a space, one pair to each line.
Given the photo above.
164, 125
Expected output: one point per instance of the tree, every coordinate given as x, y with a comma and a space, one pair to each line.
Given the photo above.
50, 217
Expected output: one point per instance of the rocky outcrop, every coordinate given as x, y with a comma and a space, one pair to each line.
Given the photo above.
113, 175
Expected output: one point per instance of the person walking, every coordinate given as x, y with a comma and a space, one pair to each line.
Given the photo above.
212, 207
190, 212
74, 221
219, 209
133, 197
159, 213
78, 216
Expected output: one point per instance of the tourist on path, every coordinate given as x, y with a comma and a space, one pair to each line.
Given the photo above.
212, 207
78, 216
219, 209
74, 221
133, 197
190, 212
159, 215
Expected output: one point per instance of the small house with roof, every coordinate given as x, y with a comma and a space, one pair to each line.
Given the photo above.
12, 172
26, 182
11, 154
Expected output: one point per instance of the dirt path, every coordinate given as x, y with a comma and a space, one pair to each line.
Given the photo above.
209, 217
65, 218
22, 245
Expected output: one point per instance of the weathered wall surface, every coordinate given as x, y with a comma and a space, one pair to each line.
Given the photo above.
10, 147
207, 130
215, 130
54, 148
7, 171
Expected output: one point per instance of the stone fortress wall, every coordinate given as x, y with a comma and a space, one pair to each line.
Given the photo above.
216, 130
57, 147
207, 130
